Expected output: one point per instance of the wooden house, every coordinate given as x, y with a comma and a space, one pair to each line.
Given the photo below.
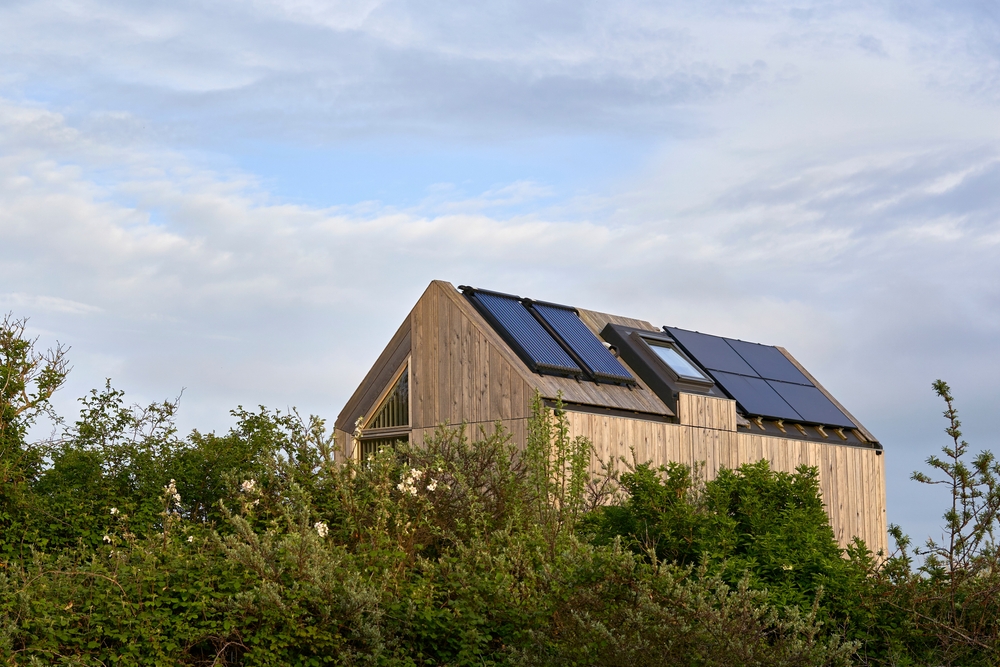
475, 357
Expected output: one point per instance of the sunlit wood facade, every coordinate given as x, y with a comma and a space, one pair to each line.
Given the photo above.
458, 370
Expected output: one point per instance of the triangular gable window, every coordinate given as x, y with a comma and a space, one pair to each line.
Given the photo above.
395, 409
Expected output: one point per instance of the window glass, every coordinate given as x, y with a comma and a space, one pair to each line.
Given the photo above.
677, 363
395, 409
371, 446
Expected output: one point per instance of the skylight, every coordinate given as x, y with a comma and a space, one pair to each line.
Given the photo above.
678, 364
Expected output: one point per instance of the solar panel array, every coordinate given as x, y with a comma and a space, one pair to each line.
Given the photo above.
762, 380
553, 339
599, 363
549, 338
525, 334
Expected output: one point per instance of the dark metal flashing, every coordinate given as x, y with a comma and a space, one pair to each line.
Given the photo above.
654, 372
810, 437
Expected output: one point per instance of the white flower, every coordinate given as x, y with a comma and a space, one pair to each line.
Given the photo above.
107, 539
321, 528
190, 538
432, 485
248, 485
409, 482
170, 492
114, 511
170, 488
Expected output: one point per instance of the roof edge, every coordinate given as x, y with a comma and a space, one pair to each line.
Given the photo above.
864, 431
358, 403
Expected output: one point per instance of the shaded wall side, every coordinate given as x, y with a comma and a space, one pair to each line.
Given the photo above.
851, 479
374, 384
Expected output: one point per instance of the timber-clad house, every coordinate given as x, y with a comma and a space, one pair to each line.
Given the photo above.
476, 357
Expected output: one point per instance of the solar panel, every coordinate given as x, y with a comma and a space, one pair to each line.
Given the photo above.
812, 404
711, 352
762, 380
769, 362
755, 396
524, 333
599, 362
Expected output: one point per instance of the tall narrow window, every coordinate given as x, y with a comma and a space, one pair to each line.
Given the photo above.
395, 409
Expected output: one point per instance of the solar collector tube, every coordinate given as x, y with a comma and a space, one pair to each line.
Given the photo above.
524, 333
599, 362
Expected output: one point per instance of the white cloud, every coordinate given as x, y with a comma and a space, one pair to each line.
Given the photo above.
311, 70
23, 303
822, 176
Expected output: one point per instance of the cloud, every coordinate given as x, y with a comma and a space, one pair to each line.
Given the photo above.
41, 303
822, 176
321, 71
177, 247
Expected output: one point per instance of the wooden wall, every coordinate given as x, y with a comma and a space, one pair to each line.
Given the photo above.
852, 479
462, 371
459, 370
517, 428
706, 411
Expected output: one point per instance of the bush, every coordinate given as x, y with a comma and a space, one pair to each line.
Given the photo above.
125, 543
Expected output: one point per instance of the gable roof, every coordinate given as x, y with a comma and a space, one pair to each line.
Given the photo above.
445, 328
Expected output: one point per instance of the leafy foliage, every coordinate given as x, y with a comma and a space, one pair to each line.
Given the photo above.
751, 521
126, 543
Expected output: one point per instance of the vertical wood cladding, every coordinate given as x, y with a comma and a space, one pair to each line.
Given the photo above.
706, 411
461, 371
851, 479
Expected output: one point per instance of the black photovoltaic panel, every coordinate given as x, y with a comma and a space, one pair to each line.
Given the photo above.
812, 404
769, 362
756, 397
600, 363
525, 334
711, 352
763, 381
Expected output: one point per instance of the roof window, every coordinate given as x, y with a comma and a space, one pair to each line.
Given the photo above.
677, 363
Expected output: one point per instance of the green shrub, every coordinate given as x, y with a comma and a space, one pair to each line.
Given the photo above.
123, 542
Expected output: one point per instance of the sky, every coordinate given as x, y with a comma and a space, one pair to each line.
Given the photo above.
241, 201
